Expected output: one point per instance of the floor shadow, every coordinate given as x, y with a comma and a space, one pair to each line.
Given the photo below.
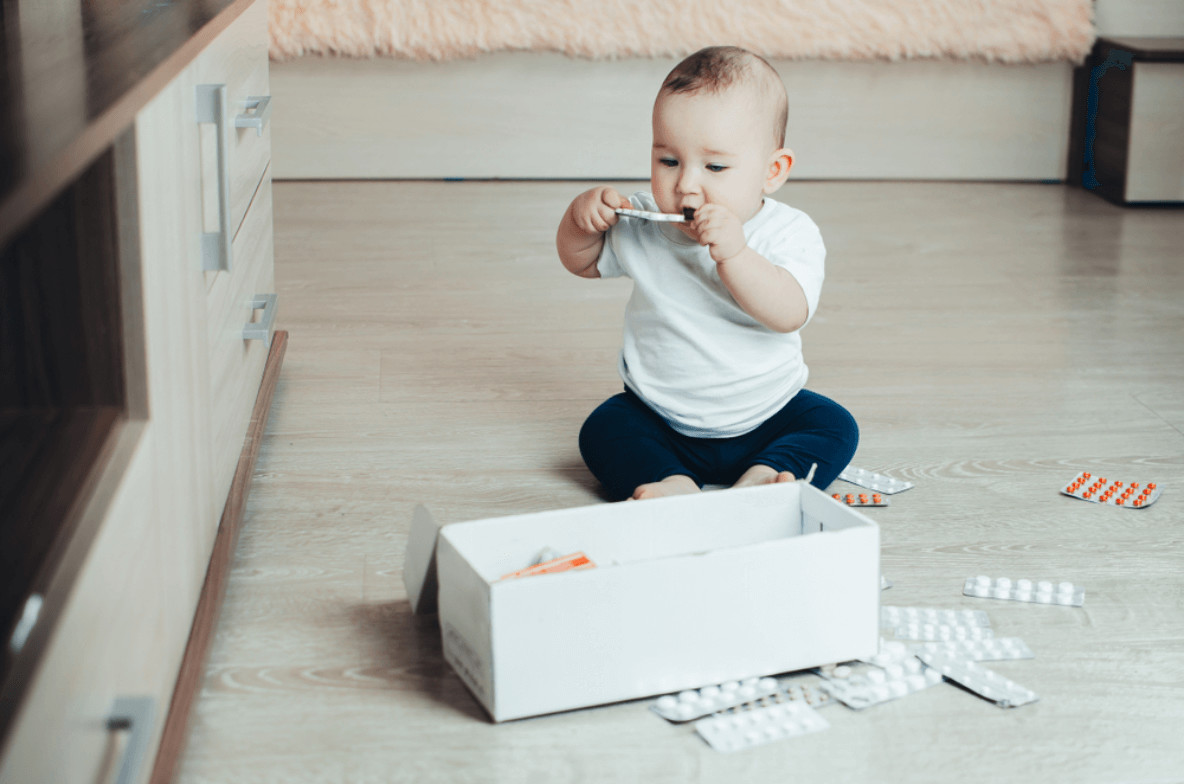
576, 473
406, 652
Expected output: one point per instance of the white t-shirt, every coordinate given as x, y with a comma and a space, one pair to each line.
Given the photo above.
690, 352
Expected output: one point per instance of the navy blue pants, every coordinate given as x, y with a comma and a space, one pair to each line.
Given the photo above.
625, 444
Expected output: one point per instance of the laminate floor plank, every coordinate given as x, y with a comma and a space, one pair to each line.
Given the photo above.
992, 340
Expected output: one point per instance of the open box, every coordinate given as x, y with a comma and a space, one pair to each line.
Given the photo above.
687, 590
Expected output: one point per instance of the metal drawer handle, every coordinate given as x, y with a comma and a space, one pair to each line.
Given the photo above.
258, 118
216, 248
135, 715
261, 329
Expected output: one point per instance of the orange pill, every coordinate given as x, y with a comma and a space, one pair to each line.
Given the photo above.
1118, 484
1146, 491
1087, 494
878, 498
1102, 480
1120, 501
850, 498
1134, 484
1151, 485
863, 498
1085, 474
837, 497
1137, 502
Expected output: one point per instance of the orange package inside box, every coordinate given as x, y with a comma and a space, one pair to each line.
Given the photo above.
563, 563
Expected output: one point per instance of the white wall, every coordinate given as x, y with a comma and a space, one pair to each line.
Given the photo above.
1162, 18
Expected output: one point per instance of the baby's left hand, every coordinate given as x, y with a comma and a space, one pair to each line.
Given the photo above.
720, 230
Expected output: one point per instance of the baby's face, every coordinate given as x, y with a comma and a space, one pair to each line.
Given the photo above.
711, 149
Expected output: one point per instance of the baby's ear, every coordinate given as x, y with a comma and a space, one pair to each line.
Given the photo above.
779, 165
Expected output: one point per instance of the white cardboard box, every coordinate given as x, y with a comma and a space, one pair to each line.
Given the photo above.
687, 591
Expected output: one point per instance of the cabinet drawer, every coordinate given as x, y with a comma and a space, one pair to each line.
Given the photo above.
238, 59
236, 364
105, 646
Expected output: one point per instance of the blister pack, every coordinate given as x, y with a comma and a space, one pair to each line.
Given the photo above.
861, 499
697, 703
738, 731
662, 217
937, 631
1041, 592
1129, 495
808, 693
880, 483
891, 616
890, 652
1004, 692
881, 685
993, 649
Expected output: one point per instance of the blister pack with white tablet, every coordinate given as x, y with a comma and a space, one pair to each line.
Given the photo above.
738, 731
697, 703
1041, 592
808, 693
881, 685
1128, 495
934, 631
881, 483
891, 616
994, 649
1004, 692
890, 652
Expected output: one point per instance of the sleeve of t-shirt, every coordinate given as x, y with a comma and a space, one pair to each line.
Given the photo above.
798, 247
609, 263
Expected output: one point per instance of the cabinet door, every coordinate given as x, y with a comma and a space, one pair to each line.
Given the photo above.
236, 63
106, 647
169, 174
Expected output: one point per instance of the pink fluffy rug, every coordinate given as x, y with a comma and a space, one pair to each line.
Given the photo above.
1006, 31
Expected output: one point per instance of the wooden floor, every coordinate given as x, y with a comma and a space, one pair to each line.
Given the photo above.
991, 339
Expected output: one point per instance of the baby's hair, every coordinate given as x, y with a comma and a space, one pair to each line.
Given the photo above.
716, 68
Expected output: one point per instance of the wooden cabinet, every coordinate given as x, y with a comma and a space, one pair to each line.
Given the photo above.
196, 342
1131, 120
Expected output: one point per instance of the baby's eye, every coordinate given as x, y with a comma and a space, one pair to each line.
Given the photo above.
668, 162
715, 167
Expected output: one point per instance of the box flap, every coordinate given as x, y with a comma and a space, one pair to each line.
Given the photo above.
419, 561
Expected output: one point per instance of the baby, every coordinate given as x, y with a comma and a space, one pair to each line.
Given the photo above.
712, 360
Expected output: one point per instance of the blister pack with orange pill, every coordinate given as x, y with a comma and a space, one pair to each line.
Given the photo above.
1104, 490
861, 499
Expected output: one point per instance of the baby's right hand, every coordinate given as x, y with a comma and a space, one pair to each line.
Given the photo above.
594, 211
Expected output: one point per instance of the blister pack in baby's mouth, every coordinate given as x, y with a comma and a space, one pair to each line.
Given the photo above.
1100, 490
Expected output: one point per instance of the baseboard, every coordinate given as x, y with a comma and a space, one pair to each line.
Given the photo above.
542, 115
172, 742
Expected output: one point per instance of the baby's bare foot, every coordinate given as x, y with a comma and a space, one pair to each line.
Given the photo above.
671, 485
763, 475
